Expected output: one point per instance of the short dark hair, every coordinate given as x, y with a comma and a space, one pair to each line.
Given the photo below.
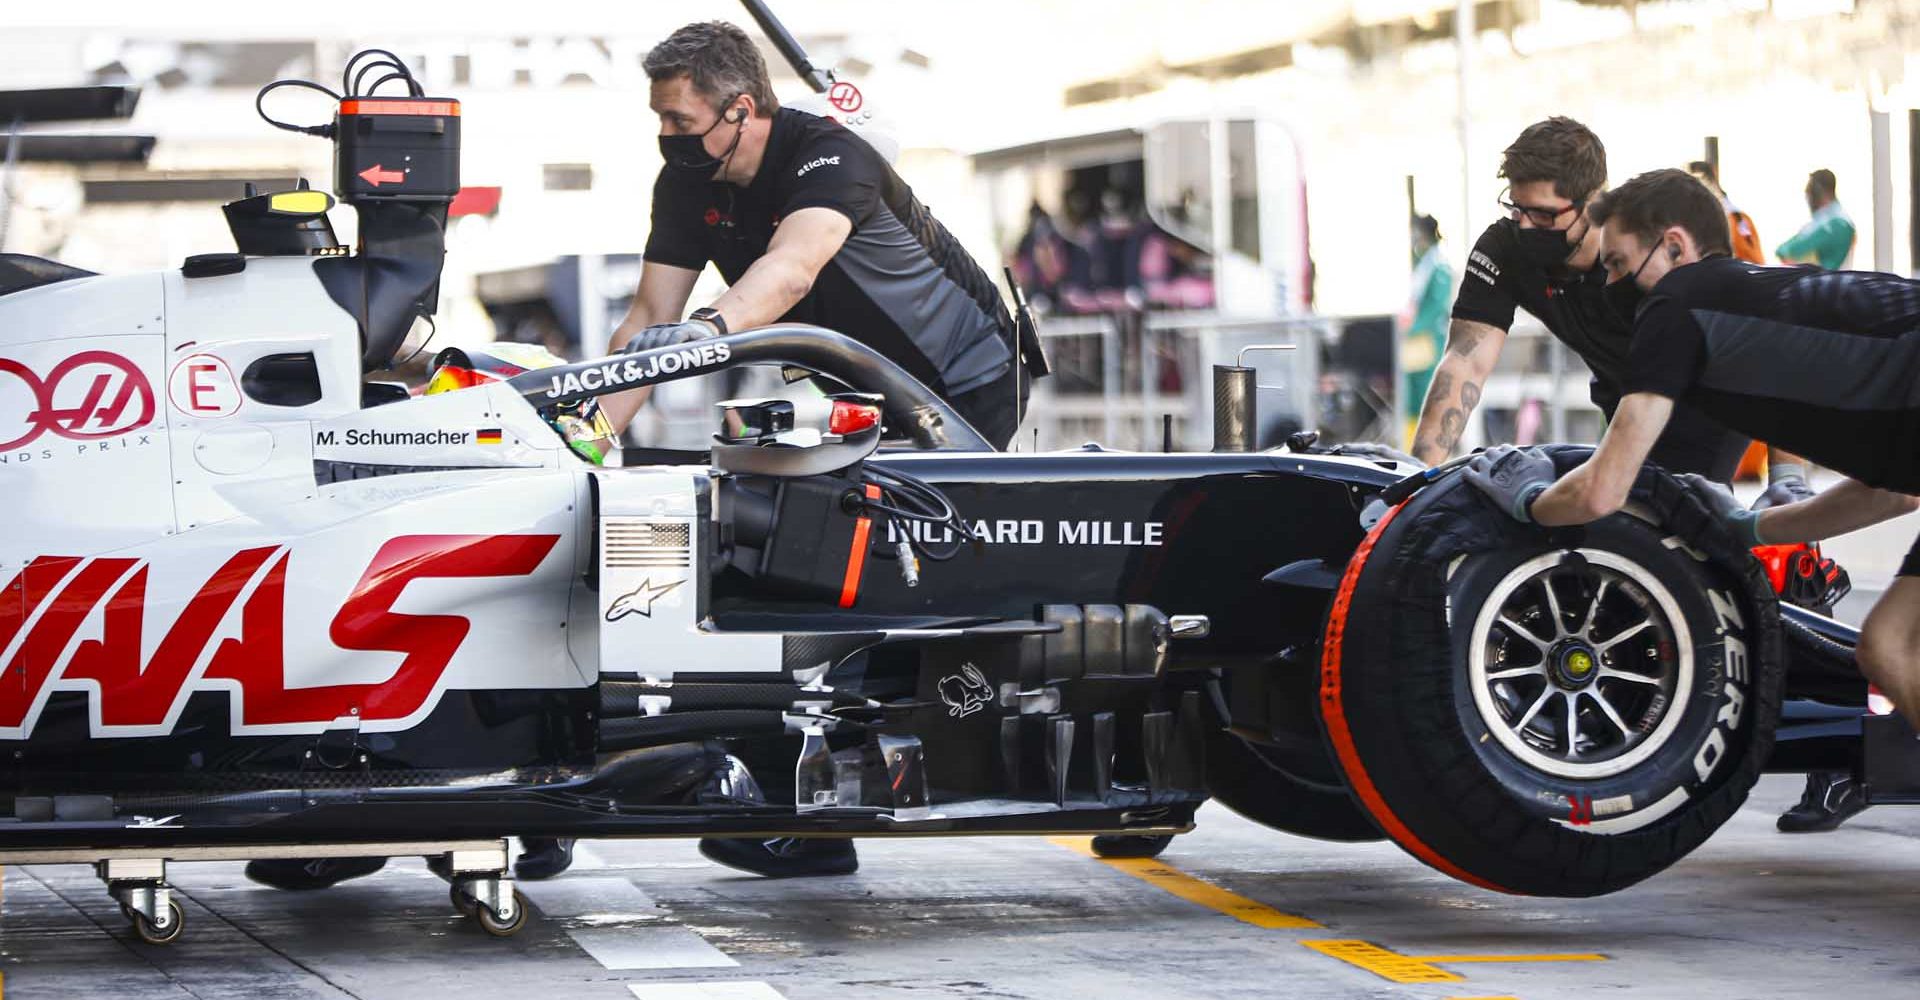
1824, 180
720, 59
1427, 226
1647, 205
1703, 169
1560, 150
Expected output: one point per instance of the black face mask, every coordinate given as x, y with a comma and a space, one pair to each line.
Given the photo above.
1624, 296
1547, 249
688, 153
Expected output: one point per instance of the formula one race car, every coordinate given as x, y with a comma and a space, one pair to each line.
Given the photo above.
259, 606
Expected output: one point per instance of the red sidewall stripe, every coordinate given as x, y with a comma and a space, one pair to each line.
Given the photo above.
1333, 714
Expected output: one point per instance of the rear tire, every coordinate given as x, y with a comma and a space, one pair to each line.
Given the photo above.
1557, 713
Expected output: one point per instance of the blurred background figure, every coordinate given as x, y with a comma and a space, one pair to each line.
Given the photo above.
1827, 238
1424, 322
1746, 236
1053, 270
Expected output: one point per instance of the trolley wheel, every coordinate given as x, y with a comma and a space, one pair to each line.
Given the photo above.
484, 916
155, 934
462, 903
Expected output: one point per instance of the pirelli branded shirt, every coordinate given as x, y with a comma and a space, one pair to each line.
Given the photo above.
1574, 308
1823, 363
901, 284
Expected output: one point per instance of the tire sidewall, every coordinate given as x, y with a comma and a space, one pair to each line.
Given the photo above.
1394, 673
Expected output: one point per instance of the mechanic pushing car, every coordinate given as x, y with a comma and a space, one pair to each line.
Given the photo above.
1822, 361
807, 223
1544, 257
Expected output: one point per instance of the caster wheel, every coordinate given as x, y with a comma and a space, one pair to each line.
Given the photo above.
462, 903
1124, 846
151, 933
494, 926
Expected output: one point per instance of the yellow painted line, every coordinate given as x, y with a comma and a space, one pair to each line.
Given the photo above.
1178, 883
1388, 965
1580, 957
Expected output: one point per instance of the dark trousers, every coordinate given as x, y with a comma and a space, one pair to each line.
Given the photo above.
995, 409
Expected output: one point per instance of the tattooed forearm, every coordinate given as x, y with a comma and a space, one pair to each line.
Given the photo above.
1452, 423
1463, 338
1445, 418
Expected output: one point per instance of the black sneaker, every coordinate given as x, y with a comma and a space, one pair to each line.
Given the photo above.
542, 857
1831, 798
296, 875
1129, 845
783, 857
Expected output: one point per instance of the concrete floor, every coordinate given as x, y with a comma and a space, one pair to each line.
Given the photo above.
1752, 914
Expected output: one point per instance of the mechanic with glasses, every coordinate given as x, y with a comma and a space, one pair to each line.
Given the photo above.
1823, 361
1544, 257
807, 223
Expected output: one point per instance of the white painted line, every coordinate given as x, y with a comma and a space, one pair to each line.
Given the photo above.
603, 897
650, 948
705, 991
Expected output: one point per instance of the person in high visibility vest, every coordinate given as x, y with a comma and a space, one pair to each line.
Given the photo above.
1746, 237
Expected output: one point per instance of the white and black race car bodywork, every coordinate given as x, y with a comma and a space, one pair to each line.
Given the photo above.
251, 599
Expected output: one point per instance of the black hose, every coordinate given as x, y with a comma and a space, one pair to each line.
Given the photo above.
1835, 656
647, 731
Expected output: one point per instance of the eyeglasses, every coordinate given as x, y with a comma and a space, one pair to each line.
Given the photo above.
1542, 218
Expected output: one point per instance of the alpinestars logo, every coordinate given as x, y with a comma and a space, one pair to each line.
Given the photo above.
824, 161
639, 600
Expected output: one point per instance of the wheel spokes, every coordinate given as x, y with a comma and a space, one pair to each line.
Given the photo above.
1537, 670
1623, 635
1610, 674
1517, 629
1553, 607
1593, 609
1538, 704
1572, 701
1607, 709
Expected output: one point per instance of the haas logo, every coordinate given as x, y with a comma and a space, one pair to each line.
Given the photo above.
966, 692
93, 394
139, 684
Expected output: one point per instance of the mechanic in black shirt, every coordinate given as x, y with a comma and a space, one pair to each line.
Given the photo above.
1823, 362
1544, 258
807, 223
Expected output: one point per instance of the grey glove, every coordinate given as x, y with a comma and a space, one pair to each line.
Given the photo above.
1720, 502
669, 334
1783, 491
1513, 478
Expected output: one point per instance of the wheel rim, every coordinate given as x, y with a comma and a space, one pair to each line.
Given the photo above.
1580, 672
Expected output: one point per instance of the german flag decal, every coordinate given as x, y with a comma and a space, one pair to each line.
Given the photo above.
487, 435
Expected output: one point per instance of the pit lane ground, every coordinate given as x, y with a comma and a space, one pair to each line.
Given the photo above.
1231, 911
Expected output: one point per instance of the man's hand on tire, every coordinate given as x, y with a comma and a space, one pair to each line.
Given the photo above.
669, 334
1783, 491
1719, 500
1512, 478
